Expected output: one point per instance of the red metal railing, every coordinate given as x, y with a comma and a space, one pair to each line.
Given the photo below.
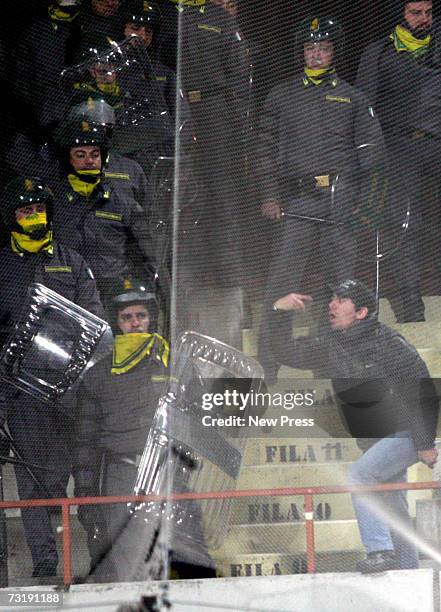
307, 492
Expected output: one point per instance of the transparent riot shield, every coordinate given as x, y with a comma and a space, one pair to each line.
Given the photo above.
184, 455
126, 77
202, 367
51, 345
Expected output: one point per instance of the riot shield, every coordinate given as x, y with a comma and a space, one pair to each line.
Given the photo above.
125, 76
182, 455
51, 345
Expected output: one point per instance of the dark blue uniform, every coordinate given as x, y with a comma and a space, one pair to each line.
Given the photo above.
40, 430
110, 231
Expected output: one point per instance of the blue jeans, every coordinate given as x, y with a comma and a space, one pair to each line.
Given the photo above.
385, 461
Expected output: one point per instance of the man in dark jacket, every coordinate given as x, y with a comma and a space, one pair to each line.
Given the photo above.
388, 401
39, 430
397, 74
109, 230
319, 145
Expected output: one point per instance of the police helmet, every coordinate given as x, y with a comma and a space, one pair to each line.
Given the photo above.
143, 13
23, 191
97, 47
130, 291
71, 7
94, 110
77, 134
317, 29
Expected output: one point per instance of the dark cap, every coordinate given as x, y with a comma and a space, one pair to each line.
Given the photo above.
358, 292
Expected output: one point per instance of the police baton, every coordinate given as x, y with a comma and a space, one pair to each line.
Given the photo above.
291, 215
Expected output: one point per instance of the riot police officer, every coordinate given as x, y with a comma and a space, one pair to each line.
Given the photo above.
101, 16
398, 73
143, 21
318, 143
41, 56
39, 430
117, 402
125, 174
215, 81
39, 156
110, 230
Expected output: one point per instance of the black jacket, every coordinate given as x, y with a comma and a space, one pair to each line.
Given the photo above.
115, 413
400, 86
65, 272
383, 384
104, 229
308, 130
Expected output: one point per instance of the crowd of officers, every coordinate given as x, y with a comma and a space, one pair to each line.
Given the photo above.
97, 80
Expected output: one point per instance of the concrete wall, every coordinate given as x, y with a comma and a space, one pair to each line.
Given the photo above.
399, 591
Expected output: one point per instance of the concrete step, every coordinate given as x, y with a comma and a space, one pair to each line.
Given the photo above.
432, 313
290, 509
274, 564
295, 451
321, 474
432, 359
421, 335
290, 538
304, 475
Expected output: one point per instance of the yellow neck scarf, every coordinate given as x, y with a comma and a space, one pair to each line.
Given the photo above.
34, 222
21, 243
112, 89
130, 349
180, 4
84, 188
56, 13
404, 41
317, 75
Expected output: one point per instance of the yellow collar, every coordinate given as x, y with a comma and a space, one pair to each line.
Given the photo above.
404, 41
182, 3
57, 14
111, 89
130, 349
81, 187
317, 75
22, 243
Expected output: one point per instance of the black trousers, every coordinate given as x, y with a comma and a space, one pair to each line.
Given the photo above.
130, 535
41, 435
406, 169
297, 240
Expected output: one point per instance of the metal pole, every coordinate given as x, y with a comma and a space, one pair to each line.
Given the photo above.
377, 272
4, 578
310, 544
67, 544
